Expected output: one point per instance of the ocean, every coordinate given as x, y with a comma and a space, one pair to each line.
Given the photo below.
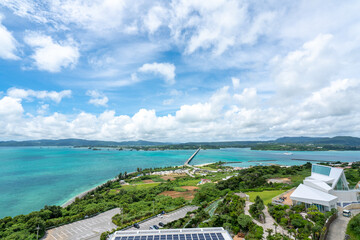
32, 177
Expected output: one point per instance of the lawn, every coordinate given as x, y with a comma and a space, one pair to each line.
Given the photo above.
266, 196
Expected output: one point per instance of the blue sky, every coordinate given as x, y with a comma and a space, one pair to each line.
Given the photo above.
178, 70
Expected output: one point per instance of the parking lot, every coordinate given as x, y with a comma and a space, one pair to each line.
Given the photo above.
166, 218
90, 228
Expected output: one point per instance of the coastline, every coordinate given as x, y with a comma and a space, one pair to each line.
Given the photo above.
82, 194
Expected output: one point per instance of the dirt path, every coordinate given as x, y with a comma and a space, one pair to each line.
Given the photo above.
269, 221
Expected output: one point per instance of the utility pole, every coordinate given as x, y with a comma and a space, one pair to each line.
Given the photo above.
37, 232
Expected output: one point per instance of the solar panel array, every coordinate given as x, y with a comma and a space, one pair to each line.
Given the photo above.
194, 236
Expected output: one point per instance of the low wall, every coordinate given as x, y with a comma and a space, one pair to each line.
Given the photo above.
353, 206
327, 225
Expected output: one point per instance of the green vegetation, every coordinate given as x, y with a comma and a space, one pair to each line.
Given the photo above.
353, 228
266, 196
218, 205
256, 209
254, 179
228, 213
302, 228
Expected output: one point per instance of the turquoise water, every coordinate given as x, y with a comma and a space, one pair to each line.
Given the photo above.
32, 177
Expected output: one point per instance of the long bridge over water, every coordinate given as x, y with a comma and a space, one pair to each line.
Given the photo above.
192, 157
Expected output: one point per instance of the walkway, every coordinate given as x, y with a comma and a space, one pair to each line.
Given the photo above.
337, 228
269, 221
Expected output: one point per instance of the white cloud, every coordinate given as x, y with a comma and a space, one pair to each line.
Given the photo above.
43, 109
235, 82
10, 108
155, 18
97, 98
28, 94
166, 70
52, 56
308, 68
331, 110
7, 43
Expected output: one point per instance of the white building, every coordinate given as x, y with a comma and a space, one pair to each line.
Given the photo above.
325, 188
174, 234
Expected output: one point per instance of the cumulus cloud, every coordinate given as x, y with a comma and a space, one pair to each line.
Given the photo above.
308, 68
225, 115
166, 70
18, 93
52, 56
8, 44
97, 98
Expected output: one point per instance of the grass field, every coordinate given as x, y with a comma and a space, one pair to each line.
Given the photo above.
141, 186
266, 196
192, 182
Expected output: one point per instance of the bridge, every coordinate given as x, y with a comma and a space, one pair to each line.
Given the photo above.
191, 158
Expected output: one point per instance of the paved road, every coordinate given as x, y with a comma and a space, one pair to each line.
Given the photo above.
90, 228
165, 218
337, 228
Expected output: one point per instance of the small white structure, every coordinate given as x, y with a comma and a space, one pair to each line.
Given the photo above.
325, 188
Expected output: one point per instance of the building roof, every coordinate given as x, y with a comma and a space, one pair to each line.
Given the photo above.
320, 177
174, 234
326, 174
311, 195
319, 185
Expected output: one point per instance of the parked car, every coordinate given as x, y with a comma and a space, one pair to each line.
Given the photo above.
346, 213
136, 225
163, 212
151, 227
161, 224
155, 227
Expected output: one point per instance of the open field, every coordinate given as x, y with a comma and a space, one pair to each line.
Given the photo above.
173, 177
187, 195
266, 196
148, 181
141, 186
191, 182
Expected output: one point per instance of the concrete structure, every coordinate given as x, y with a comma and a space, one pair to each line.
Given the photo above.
174, 234
325, 188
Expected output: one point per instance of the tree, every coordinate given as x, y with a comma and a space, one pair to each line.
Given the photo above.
244, 221
269, 231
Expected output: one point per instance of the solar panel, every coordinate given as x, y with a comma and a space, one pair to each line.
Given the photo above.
179, 234
220, 236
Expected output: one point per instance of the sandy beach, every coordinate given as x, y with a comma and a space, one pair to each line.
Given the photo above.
81, 195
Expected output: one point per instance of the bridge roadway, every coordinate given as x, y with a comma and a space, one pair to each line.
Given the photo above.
192, 157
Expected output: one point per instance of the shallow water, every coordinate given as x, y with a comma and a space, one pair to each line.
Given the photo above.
31, 177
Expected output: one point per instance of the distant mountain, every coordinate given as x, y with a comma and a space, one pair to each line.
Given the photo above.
339, 140
77, 142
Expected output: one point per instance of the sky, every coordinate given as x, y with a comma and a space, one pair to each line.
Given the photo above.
179, 70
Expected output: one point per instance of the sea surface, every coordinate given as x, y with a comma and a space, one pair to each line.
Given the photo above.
31, 177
